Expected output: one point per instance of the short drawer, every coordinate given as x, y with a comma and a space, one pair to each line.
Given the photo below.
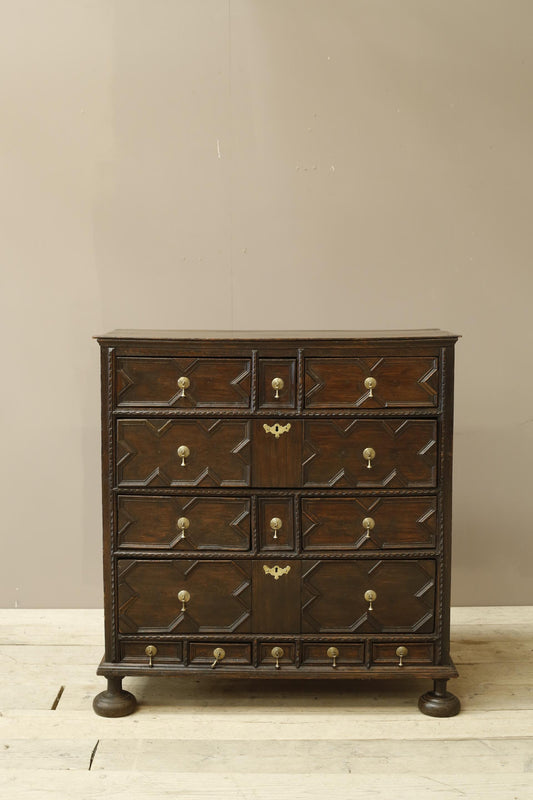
277, 654
368, 523
410, 653
219, 654
183, 523
183, 382
371, 382
276, 523
165, 653
332, 654
277, 383
184, 452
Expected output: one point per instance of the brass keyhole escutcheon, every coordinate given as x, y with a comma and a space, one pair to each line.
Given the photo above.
370, 383
277, 385
276, 571
277, 653
277, 429
368, 525
183, 383
182, 525
219, 653
151, 651
276, 524
333, 653
183, 453
401, 652
369, 453
184, 598
370, 596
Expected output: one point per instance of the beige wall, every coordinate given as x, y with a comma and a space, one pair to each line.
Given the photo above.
261, 164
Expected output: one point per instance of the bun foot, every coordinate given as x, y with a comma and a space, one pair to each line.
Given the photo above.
115, 701
439, 702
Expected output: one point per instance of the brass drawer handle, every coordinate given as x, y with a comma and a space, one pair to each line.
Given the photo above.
151, 651
276, 524
277, 429
333, 653
219, 653
368, 525
370, 383
184, 598
370, 596
369, 453
401, 652
182, 525
183, 383
183, 453
277, 653
277, 384
276, 571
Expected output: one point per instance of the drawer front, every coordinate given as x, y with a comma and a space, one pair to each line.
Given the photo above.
277, 383
183, 523
167, 653
322, 654
150, 600
333, 596
391, 382
368, 523
217, 452
370, 453
276, 523
219, 654
183, 382
268, 658
384, 653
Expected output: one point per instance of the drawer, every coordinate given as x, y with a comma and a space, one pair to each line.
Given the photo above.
372, 382
167, 653
183, 382
190, 452
184, 596
219, 654
322, 654
370, 453
276, 523
183, 523
368, 523
417, 653
270, 655
336, 599
276, 383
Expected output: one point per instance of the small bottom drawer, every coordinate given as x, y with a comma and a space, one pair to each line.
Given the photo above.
270, 655
220, 653
135, 652
390, 653
330, 654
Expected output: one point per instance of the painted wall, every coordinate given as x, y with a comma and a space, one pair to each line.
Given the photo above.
261, 164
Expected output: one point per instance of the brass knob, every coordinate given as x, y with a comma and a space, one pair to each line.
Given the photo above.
333, 653
219, 653
182, 524
277, 653
369, 453
276, 524
277, 384
183, 453
370, 383
151, 651
370, 596
368, 525
184, 597
183, 384
401, 652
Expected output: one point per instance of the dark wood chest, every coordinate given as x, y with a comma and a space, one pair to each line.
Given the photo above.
277, 504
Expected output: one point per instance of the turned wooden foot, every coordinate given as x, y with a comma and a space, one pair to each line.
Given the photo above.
115, 701
439, 702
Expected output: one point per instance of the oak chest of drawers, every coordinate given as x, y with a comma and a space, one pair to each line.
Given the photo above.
277, 504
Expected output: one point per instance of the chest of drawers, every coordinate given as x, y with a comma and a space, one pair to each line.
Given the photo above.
277, 504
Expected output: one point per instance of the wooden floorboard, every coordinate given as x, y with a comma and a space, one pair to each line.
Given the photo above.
198, 738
